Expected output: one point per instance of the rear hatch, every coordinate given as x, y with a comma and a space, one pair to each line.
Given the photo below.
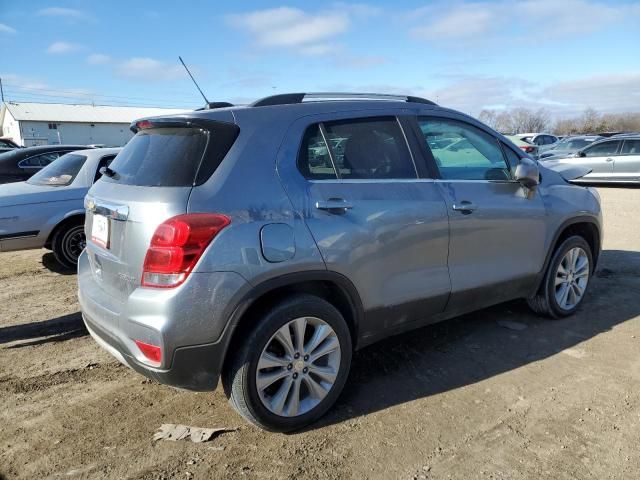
148, 182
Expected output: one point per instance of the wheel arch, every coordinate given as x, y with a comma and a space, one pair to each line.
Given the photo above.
330, 286
71, 217
584, 226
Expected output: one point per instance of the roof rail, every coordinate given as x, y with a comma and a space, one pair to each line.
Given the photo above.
292, 98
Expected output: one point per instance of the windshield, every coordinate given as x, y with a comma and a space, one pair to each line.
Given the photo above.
60, 172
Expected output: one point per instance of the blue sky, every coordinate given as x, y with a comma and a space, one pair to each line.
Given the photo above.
564, 55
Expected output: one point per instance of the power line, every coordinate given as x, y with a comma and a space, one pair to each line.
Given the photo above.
85, 94
106, 103
37, 96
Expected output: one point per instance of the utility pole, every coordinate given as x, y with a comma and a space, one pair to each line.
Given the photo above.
1, 90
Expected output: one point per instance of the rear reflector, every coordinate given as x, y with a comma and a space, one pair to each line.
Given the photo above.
176, 247
151, 352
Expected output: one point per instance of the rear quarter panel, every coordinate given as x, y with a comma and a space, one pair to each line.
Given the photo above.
246, 187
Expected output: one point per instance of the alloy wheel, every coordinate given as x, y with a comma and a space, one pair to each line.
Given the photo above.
298, 366
572, 277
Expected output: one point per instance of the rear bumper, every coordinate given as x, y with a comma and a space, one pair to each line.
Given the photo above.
194, 368
191, 324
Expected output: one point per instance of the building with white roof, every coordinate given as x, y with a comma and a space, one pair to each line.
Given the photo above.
31, 124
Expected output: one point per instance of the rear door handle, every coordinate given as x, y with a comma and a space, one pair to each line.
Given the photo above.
334, 205
464, 207
609, 159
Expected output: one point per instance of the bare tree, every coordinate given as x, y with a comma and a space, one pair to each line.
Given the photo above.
523, 120
517, 120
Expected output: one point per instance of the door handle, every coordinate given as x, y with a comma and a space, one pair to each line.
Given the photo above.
609, 159
464, 207
334, 205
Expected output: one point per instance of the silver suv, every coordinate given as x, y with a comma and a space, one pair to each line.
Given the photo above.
263, 244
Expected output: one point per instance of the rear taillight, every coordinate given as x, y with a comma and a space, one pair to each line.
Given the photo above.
176, 247
528, 149
151, 352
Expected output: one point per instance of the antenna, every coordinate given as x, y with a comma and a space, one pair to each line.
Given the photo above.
194, 81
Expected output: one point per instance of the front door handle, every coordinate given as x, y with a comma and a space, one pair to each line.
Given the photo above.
464, 207
334, 205
609, 159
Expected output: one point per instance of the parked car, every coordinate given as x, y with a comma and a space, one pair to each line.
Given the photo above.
615, 159
47, 210
525, 146
19, 164
569, 145
215, 246
544, 141
6, 145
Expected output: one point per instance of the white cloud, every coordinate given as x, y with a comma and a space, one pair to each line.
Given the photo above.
4, 28
149, 69
286, 27
358, 9
62, 47
360, 61
606, 93
464, 21
461, 24
98, 59
470, 94
61, 12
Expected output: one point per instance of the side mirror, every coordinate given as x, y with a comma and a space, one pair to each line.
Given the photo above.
527, 173
581, 154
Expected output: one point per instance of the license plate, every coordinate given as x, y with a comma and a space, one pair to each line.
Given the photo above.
100, 230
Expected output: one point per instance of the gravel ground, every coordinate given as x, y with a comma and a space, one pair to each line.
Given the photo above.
499, 394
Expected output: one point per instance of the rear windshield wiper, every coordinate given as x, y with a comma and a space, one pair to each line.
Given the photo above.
109, 172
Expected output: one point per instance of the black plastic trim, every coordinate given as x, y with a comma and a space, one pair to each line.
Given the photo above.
32, 233
282, 99
554, 244
292, 279
412, 99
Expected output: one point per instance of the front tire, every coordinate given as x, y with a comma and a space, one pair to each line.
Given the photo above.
292, 367
566, 280
67, 244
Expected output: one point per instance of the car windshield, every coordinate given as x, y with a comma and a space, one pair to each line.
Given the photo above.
60, 172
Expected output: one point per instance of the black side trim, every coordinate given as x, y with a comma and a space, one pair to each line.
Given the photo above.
9, 236
293, 279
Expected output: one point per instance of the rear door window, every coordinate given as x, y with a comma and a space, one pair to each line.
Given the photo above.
314, 161
631, 147
602, 149
363, 149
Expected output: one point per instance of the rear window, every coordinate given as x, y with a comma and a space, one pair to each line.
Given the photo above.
61, 172
160, 157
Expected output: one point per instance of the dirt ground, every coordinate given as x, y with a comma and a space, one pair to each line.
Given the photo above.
499, 394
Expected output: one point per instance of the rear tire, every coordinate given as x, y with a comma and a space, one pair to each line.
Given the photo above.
309, 381
68, 242
566, 281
